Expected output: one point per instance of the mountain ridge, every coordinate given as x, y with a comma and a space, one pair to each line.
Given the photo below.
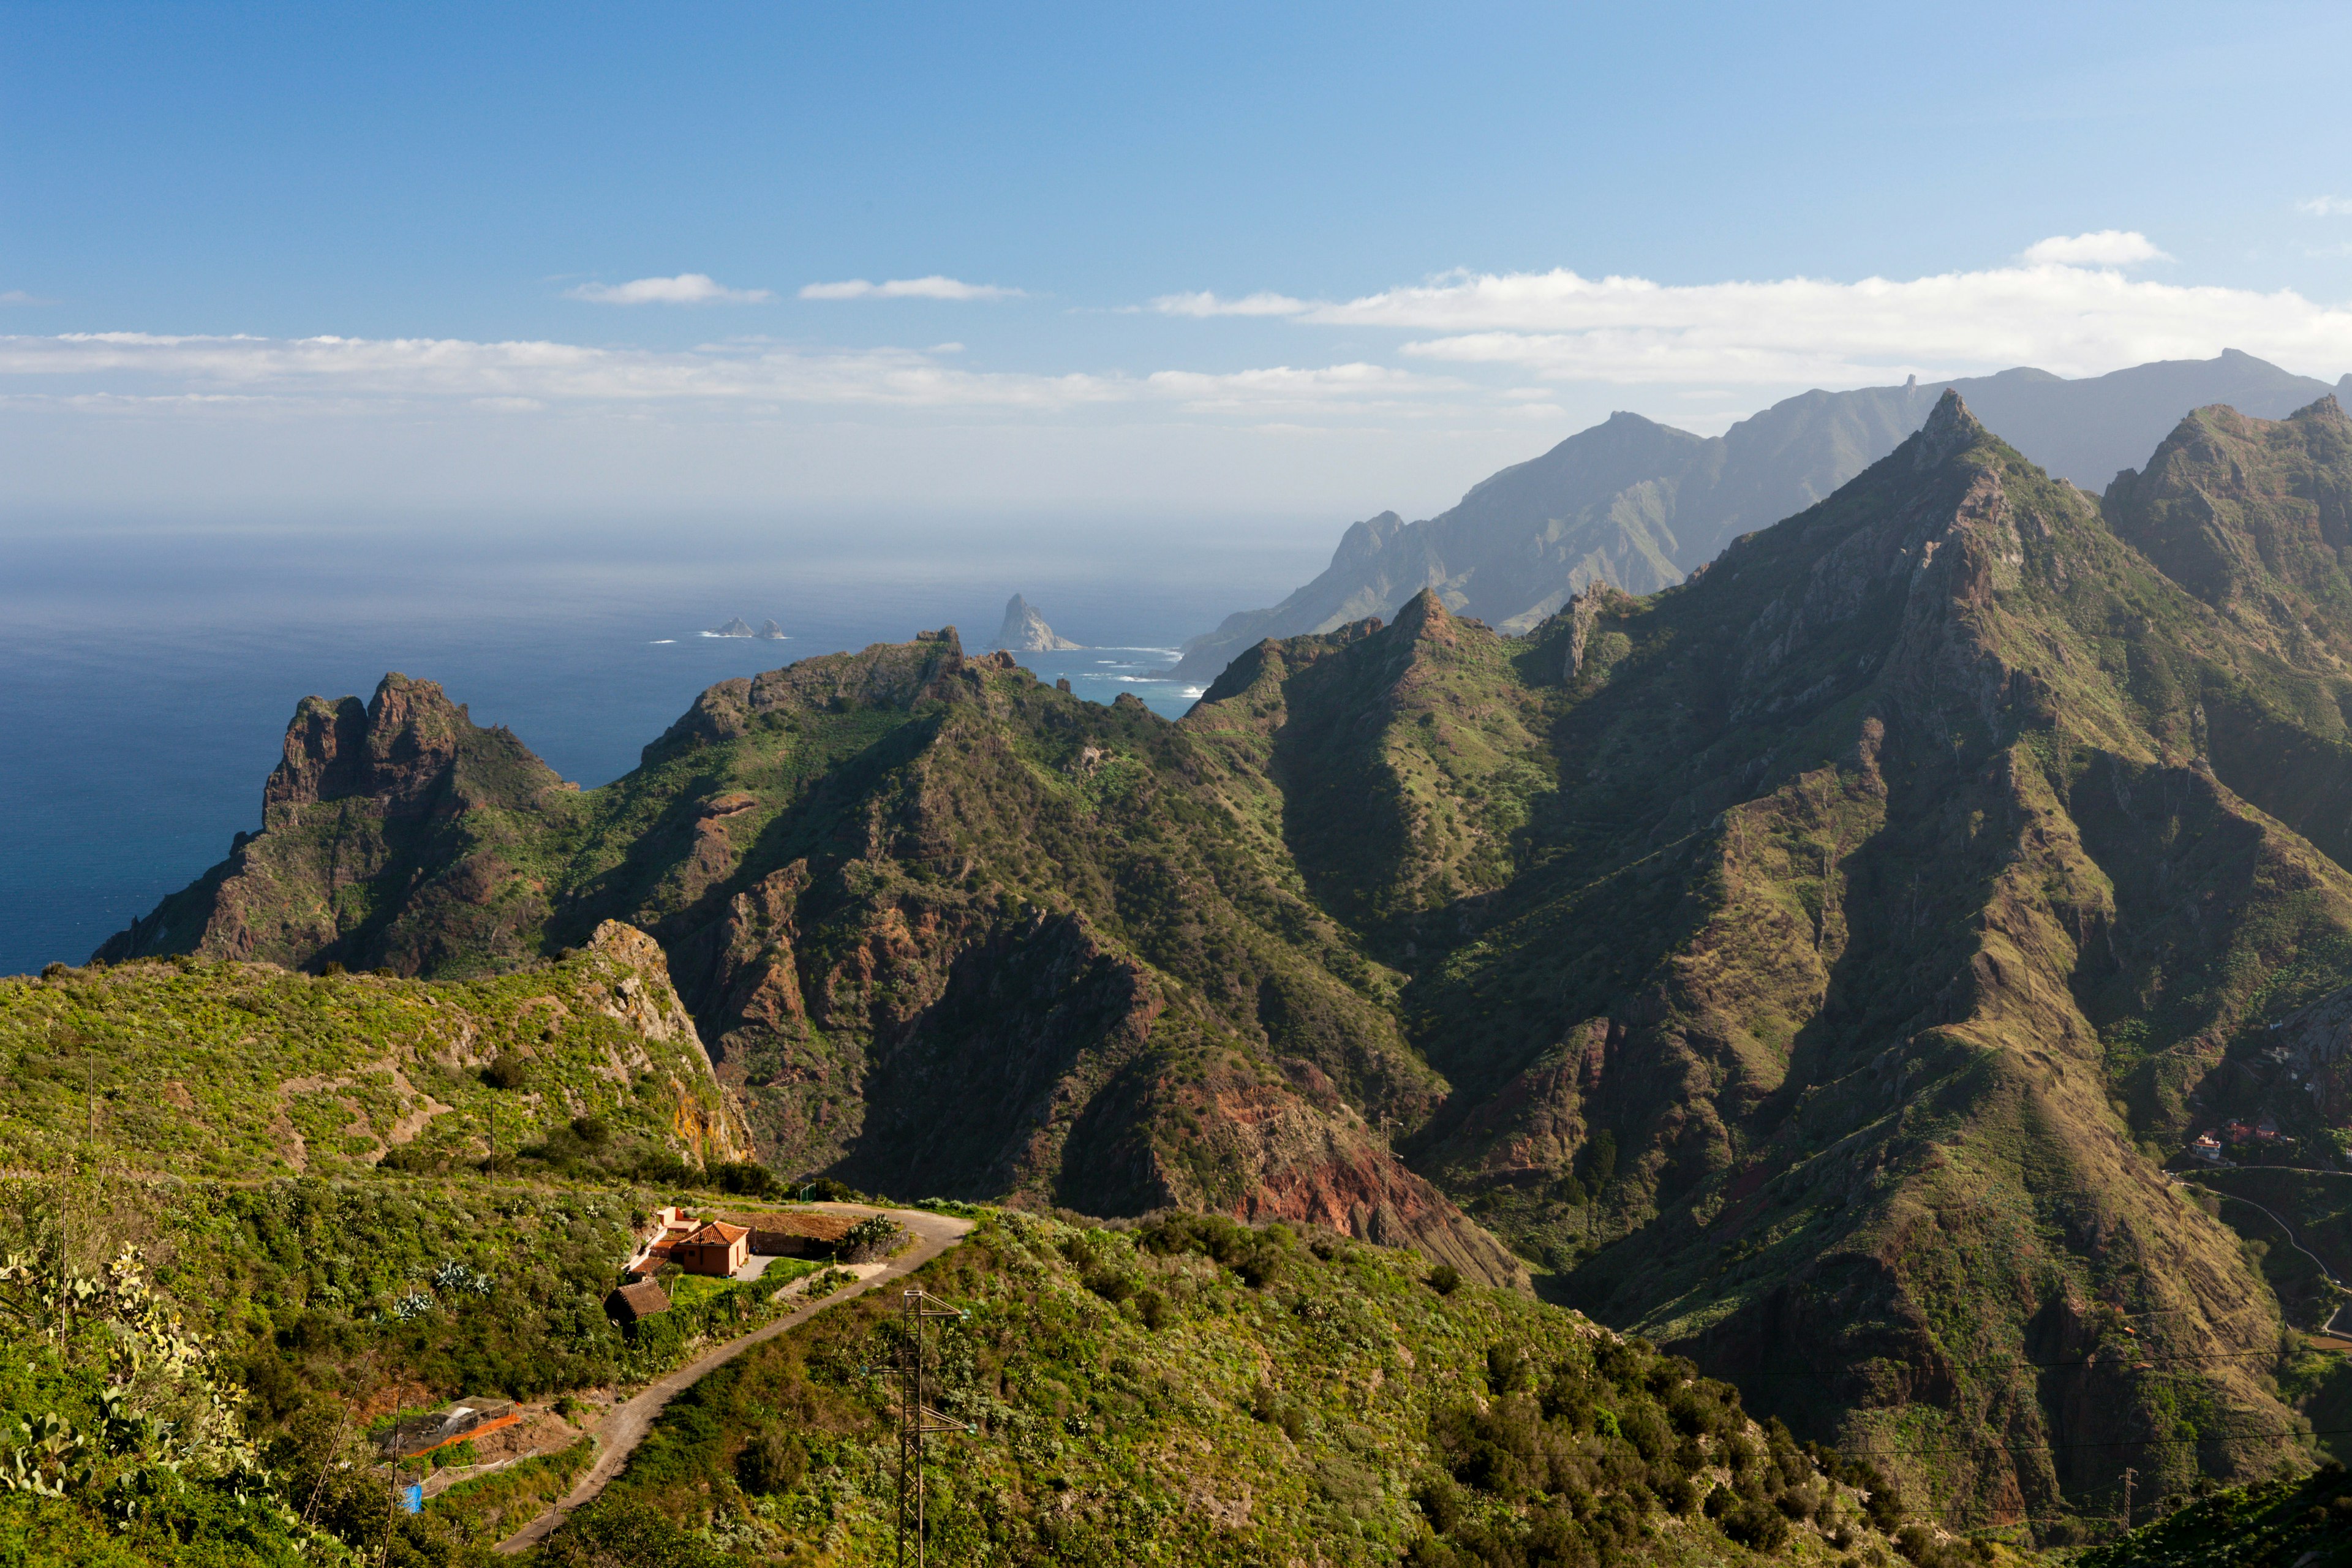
1521, 541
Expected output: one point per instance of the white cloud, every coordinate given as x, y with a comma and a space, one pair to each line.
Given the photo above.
2325, 206
343, 374
931, 287
1206, 304
685, 288
2073, 321
1355, 386
2104, 248
18, 297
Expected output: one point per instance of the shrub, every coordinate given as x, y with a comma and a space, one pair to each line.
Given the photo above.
746, 1178
870, 1238
1755, 1525
506, 1070
772, 1462
1441, 1502
1444, 1278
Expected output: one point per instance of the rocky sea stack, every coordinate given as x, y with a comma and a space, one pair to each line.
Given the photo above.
1025, 631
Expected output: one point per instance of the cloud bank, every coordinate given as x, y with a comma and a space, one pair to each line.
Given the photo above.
931, 287
2106, 247
685, 288
1206, 305
2067, 319
121, 371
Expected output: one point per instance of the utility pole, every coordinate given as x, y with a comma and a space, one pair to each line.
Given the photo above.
89, 1093
916, 1420
2129, 1475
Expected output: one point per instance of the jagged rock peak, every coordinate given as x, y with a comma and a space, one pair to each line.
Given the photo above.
1950, 429
1025, 631
395, 748
1425, 618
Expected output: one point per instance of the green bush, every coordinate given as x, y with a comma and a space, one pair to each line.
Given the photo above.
773, 1461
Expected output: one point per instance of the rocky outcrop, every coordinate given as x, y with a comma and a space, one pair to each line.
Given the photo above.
1025, 631
407, 792
737, 628
709, 1121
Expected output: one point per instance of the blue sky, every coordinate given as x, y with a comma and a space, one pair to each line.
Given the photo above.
1305, 261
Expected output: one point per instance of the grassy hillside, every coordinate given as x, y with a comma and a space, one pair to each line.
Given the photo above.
232, 1069
1191, 1392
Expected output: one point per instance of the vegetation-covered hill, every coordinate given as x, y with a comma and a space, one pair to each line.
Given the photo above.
2273, 1525
221, 1068
1191, 1392
195, 1371
1809, 966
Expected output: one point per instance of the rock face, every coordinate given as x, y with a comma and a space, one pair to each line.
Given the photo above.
1638, 505
738, 627
1797, 965
404, 790
771, 632
1025, 631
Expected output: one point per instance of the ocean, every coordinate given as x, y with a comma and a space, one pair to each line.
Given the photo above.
147, 672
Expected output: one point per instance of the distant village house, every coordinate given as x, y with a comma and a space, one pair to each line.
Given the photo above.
718, 1248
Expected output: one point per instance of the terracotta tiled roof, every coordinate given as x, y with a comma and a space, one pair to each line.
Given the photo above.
718, 1233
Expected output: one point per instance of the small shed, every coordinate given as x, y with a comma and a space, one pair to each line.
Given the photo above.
718, 1248
631, 1304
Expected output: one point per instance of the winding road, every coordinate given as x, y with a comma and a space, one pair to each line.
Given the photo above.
625, 1425
2325, 1272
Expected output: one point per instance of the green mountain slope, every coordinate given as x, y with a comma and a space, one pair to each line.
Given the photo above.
943, 929
1883, 863
1193, 1392
1809, 965
240, 1069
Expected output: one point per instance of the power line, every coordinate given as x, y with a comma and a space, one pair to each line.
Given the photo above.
2197, 1441
2042, 1365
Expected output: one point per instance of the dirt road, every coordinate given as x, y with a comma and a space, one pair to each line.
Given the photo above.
625, 1425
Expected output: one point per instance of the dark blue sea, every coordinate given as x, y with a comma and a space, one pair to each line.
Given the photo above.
147, 672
